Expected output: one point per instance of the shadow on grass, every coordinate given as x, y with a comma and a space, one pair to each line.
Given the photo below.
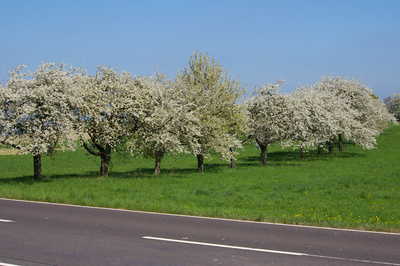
134, 174
144, 172
275, 158
18, 180
46, 178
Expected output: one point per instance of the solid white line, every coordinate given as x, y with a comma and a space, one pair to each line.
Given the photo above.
206, 218
6, 221
263, 250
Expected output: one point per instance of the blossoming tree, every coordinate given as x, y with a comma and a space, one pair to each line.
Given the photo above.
168, 124
36, 113
107, 113
205, 84
369, 115
316, 116
393, 105
268, 116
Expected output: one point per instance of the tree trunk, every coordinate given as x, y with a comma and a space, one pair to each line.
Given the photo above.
264, 153
200, 162
331, 146
320, 148
303, 154
233, 159
105, 162
37, 167
340, 142
159, 156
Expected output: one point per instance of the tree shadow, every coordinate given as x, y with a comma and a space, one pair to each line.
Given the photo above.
18, 180
275, 158
294, 157
28, 179
148, 172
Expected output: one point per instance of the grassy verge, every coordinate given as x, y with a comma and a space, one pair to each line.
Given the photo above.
357, 188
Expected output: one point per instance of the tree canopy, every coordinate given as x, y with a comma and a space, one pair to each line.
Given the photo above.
36, 113
108, 109
268, 116
393, 105
214, 95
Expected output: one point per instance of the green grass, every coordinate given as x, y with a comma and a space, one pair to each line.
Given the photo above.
357, 188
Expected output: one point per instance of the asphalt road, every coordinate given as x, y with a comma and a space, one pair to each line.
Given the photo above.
33, 233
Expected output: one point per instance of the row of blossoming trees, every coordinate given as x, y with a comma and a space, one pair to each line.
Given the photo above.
202, 112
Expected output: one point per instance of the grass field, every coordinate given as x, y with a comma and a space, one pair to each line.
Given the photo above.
356, 188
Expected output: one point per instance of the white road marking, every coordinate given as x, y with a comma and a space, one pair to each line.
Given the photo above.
6, 221
264, 250
224, 246
7, 264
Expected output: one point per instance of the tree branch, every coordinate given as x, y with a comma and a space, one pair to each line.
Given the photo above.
245, 140
90, 150
3, 142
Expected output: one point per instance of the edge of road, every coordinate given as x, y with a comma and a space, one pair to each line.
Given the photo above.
202, 217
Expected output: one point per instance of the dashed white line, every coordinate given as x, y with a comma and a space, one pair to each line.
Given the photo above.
225, 246
6, 221
7, 264
264, 250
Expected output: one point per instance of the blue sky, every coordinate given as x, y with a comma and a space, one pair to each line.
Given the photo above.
258, 41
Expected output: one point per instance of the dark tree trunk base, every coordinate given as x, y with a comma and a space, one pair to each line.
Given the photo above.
200, 162
233, 162
37, 167
264, 153
105, 162
233, 159
303, 154
157, 168
340, 142
331, 146
320, 148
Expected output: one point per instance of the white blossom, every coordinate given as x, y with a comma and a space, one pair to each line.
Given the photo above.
268, 116
214, 96
35, 110
364, 116
168, 124
393, 105
106, 111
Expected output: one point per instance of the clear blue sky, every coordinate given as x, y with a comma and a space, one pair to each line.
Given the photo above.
258, 41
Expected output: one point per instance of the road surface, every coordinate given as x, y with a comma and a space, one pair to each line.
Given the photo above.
33, 233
